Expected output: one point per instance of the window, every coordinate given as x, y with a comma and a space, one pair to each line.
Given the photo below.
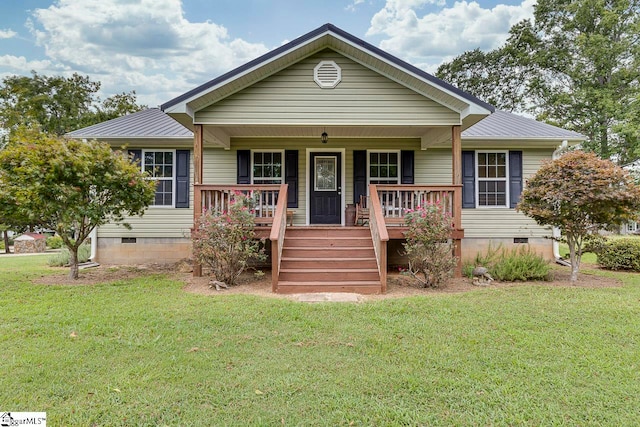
384, 167
267, 167
492, 179
159, 165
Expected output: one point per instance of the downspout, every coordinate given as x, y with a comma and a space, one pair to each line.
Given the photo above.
555, 232
94, 243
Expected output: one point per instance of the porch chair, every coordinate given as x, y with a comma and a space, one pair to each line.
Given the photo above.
362, 211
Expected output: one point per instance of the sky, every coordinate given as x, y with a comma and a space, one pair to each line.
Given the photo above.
163, 48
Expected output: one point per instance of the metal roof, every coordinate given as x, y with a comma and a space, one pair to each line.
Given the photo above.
317, 34
505, 125
155, 124
150, 123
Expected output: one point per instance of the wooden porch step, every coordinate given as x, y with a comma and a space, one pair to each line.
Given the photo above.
359, 287
328, 259
328, 275
316, 231
327, 262
321, 252
328, 242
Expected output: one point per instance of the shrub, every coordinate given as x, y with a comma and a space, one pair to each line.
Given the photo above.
226, 241
594, 243
518, 264
54, 242
61, 259
429, 247
620, 254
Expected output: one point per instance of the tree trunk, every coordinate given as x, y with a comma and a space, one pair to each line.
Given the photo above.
73, 262
574, 257
5, 235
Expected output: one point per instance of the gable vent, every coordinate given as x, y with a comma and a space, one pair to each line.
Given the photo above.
327, 74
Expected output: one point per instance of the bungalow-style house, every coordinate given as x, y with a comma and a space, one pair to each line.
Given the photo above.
313, 128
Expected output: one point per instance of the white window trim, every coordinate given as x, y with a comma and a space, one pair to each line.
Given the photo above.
369, 165
282, 171
173, 177
478, 179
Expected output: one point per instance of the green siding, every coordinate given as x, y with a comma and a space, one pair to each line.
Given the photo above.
363, 97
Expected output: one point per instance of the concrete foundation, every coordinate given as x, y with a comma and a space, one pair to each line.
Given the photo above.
142, 250
472, 246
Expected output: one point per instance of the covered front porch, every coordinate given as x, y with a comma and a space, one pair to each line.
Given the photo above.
333, 258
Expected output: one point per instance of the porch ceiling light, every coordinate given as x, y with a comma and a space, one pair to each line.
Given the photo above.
324, 137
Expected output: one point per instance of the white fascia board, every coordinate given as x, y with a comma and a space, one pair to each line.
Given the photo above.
519, 138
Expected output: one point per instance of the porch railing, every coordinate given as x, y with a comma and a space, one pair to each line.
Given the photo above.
278, 228
397, 200
391, 203
270, 204
217, 198
379, 235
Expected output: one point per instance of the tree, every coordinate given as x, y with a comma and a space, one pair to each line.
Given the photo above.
576, 66
57, 104
580, 194
69, 186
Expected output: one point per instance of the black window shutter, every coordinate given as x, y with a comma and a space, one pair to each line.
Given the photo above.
359, 174
407, 165
291, 177
182, 178
515, 177
468, 179
136, 156
244, 167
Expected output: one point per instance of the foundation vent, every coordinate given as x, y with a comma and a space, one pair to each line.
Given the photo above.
327, 74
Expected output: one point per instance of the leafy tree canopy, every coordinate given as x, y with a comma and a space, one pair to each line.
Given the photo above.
57, 104
577, 66
580, 194
68, 186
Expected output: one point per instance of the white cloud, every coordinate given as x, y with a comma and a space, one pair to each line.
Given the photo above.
147, 45
7, 34
429, 39
20, 63
354, 5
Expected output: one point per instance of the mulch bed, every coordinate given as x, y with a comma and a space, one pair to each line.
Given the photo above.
398, 285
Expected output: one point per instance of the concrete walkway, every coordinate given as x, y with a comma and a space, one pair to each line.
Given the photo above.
12, 254
328, 297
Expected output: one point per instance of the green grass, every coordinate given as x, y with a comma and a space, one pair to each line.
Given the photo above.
147, 353
587, 257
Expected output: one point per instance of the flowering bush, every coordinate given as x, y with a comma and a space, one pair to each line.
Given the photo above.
226, 241
429, 246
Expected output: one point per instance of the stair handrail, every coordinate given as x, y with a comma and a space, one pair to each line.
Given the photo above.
278, 229
379, 234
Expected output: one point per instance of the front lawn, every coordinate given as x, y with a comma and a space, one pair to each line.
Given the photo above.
143, 352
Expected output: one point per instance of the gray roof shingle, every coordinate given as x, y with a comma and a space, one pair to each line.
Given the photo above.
150, 123
504, 125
